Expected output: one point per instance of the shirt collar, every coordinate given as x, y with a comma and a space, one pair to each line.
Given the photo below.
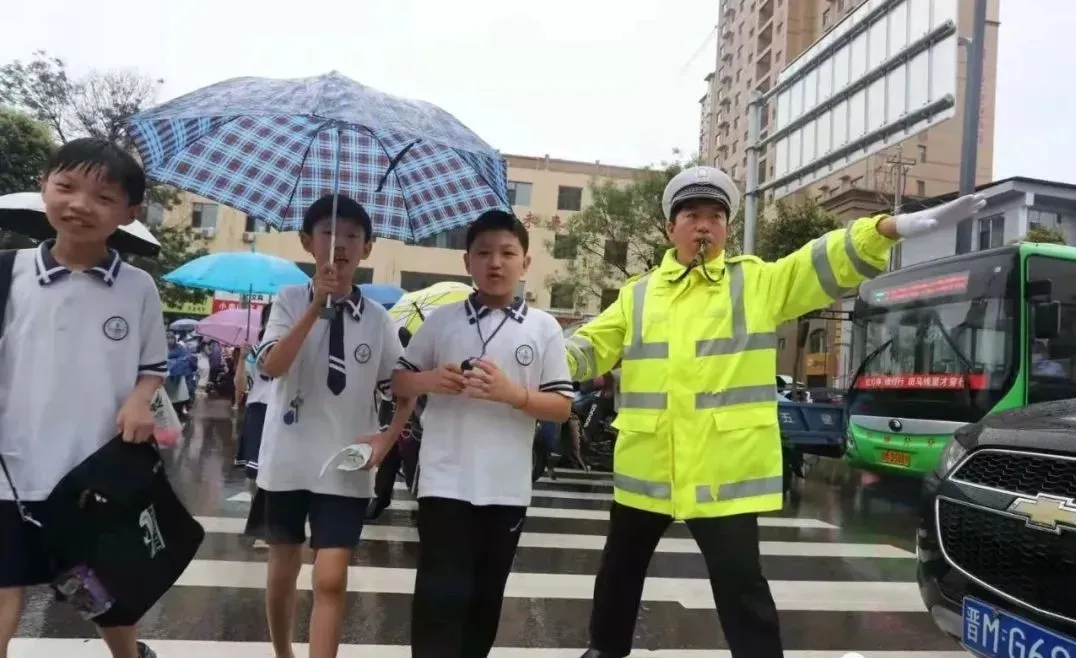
354, 302
476, 310
50, 271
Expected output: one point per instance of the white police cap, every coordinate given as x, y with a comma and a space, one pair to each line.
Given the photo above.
708, 183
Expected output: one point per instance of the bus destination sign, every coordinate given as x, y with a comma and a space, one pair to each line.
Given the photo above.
949, 284
926, 381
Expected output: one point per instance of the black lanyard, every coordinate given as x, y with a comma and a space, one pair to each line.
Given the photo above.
468, 364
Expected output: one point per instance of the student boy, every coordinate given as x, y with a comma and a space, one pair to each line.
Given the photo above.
83, 352
327, 373
491, 366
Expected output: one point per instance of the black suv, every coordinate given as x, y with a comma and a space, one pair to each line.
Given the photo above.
997, 534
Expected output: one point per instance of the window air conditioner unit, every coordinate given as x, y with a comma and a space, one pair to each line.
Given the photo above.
530, 296
208, 232
248, 236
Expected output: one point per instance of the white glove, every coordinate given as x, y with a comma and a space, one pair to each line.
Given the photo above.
947, 214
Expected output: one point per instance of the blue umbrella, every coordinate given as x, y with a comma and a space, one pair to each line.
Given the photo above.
385, 294
244, 272
272, 147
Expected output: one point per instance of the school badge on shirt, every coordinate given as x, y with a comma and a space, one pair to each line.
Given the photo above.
524, 355
116, 328
363, 353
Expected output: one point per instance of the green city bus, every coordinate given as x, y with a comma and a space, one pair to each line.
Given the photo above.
944, 343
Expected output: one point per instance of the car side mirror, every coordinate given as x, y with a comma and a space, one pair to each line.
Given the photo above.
1047, 317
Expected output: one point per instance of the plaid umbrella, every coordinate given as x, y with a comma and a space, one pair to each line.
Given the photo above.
271, 147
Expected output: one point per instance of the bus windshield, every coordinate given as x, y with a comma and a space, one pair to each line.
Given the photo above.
941, 344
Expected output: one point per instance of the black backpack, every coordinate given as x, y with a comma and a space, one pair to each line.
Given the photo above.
117, 535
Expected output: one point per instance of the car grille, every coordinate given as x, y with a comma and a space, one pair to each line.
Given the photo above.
1032, 566
1021, 473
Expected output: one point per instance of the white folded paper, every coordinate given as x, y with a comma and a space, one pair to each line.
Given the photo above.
351, 458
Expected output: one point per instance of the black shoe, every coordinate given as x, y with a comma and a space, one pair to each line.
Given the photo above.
145, 652
376, 507
594, 653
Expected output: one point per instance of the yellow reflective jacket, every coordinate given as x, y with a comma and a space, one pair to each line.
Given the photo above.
698, 431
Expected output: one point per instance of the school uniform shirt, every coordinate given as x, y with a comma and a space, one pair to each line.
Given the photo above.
73, 346
258, 385
475, 450
293, 450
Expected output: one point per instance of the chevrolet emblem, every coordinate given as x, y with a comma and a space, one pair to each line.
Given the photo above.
1046, 512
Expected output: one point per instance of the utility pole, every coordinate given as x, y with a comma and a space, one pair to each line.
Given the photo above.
973, 93
898, 172
755, 108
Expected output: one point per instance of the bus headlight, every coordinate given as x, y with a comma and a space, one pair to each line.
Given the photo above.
951, 456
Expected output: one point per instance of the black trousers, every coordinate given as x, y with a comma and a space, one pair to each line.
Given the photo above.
465, 554
729, 545
385, 479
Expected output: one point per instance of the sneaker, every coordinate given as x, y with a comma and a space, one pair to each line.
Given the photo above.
259, 543
145, 652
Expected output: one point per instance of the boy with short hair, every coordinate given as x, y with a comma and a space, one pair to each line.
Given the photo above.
327, 374
83, 352
491, 367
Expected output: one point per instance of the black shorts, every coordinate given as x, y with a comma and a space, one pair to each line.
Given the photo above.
24, 560
280, 518
250, 439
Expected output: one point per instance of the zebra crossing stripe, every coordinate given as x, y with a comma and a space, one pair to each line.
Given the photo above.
93, 648
691, 593
373, 532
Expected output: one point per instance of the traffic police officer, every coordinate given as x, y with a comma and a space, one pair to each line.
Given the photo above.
698, 433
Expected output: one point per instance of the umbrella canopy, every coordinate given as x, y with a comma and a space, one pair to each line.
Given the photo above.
411, 309
272, 147
232, 327
24, 213
239, 272
185, 324
385, 294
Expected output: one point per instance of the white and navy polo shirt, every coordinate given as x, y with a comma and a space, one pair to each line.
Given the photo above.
475, 450
296, 445
258, 385
73, 346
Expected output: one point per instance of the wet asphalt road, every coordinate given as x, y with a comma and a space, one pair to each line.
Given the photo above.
841, 560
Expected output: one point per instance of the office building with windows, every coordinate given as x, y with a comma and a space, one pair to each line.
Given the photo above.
757, 39
545, 193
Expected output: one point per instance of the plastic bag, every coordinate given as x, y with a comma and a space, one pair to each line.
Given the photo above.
166, 425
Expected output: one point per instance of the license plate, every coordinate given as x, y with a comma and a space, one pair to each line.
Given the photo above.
992, 633
897, 458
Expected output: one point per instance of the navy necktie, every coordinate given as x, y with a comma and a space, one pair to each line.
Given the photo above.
337, 366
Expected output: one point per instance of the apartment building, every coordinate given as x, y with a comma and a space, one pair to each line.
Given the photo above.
758, 38
545, 192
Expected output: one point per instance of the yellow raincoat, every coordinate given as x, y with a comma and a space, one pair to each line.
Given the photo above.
698, 431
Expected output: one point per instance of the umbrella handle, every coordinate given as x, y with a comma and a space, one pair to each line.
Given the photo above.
328, 312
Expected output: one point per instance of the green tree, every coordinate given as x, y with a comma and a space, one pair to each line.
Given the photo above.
179, 244
791, 227
25, 147
1042, 233
95, 105
620, 234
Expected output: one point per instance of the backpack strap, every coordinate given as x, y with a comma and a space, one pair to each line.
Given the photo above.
7, 271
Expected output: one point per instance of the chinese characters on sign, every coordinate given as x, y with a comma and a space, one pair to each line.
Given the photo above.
936, 287
939, 381
223, 301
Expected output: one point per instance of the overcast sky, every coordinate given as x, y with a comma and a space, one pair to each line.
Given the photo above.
611, 80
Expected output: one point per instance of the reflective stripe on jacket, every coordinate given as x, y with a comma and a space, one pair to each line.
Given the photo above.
698, 418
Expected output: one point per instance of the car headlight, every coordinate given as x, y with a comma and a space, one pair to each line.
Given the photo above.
951, 456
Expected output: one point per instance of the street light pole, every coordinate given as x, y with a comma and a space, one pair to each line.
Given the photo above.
973, 93
755, 108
